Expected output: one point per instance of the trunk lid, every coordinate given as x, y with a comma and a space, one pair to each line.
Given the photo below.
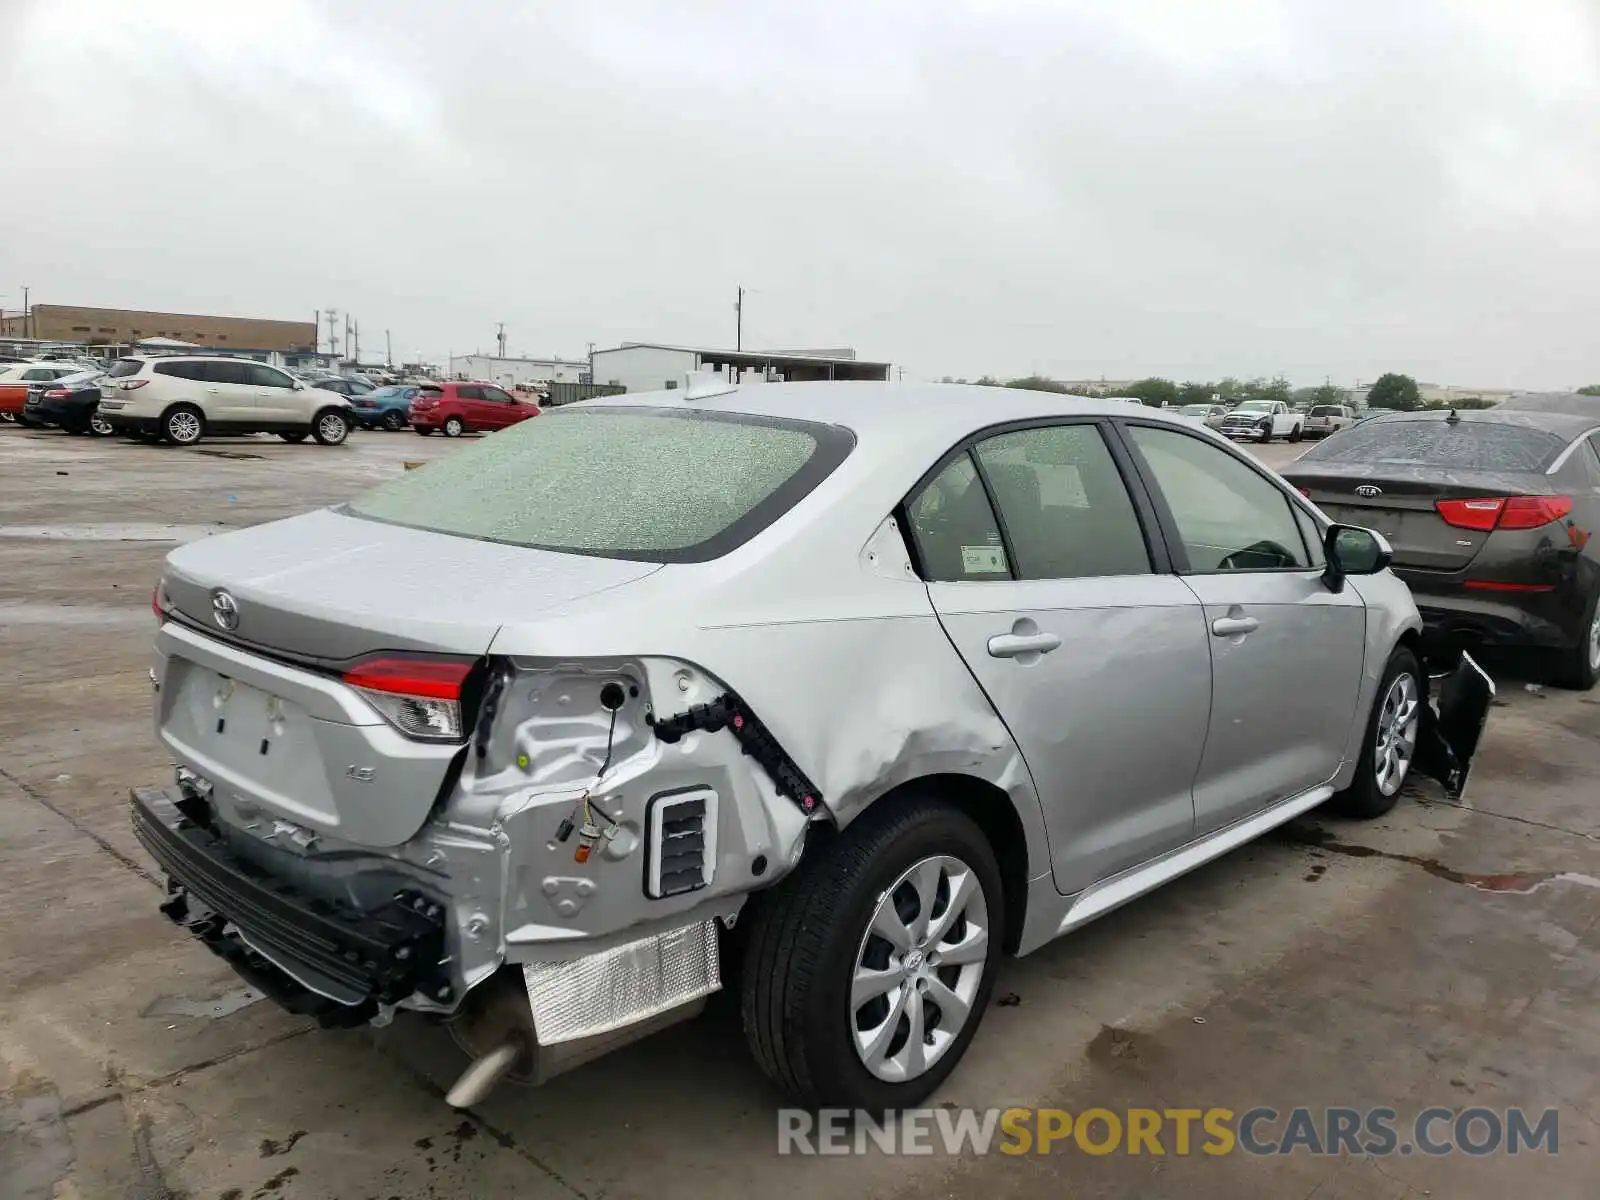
1400, 502
259, 711
327, 588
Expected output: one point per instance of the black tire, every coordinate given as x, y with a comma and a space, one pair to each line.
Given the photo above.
1266, 434
394, 421
1364, 799
183, 425
294, 438
330, 427
1296, 433
453, 427
1574, 667
423, 430
804, 937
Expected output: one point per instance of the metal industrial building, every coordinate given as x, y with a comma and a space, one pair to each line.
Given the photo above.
646, 367
510, 372
122, 326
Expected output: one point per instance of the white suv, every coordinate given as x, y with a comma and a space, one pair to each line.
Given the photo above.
182, 398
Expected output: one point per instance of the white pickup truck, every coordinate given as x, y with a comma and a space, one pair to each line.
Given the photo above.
1324, 419
1263, 420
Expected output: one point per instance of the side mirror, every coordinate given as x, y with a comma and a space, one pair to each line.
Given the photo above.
1352, 550
298, 386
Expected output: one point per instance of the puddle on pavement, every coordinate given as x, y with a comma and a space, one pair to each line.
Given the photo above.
98, 616
1520, 884
111, 532
211, 1009
229, 454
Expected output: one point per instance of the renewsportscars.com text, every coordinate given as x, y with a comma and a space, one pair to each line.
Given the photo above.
1178, 1132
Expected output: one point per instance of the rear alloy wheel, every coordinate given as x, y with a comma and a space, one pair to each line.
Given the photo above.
183, 425
393, 421
1579, 667
1391, 742
99, 426
453, 427
868, 969
331, 428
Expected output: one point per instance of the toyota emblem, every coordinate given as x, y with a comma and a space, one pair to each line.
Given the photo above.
1369, 491
225, 611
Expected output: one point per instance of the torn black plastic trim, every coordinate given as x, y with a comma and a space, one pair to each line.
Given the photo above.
731, 713
1450, 729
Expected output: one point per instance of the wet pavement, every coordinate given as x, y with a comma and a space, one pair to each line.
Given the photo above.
1447, 955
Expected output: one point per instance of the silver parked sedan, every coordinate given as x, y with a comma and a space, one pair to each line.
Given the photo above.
860, 682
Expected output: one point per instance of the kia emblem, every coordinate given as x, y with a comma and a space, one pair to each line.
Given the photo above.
1369, 491
225, 611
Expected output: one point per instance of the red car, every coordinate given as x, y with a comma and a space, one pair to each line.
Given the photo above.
457, 408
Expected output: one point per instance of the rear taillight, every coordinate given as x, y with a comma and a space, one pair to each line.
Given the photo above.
57, 394
1504, 512
131, 385
421, 697
156, 605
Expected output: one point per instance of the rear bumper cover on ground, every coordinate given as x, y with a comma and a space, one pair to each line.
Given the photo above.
309, 955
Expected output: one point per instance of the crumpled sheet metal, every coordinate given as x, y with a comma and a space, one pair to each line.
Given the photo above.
624, 985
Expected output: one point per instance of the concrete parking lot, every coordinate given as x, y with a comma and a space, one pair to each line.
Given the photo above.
1448, 955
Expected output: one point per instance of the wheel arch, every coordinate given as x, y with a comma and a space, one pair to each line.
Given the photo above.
993, 812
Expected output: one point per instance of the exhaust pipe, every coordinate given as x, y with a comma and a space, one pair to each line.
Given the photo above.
481, 1076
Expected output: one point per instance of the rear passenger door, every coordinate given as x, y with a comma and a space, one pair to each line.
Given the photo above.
1286, 652
469, 397
1044, 569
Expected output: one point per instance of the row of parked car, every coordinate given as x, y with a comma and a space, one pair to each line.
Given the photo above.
181, 399
1263, 420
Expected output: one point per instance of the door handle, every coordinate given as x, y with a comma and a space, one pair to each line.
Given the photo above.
1234, 626
1011, 645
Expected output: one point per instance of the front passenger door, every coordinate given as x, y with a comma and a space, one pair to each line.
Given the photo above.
1286, 652
470, 396
1046, 580
498, 408
277, 402
230, 398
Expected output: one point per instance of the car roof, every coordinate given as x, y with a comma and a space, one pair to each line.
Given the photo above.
1562, 424
939, 411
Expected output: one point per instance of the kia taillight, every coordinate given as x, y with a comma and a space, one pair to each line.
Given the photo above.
1504, 512
420, 697
57, 394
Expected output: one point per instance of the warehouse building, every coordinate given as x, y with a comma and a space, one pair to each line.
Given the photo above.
513, 372
122, 326
646, 367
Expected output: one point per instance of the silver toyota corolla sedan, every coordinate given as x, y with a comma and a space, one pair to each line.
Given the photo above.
849, 688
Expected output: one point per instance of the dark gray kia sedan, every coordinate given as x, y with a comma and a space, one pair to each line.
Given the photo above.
1490, 515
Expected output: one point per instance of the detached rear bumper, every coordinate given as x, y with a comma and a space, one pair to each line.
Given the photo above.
311, 956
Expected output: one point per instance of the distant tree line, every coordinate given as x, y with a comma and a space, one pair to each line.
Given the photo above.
1390, 391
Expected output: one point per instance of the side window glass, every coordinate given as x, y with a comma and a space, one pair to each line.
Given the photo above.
956, 535
469, 393
496, 395
222, 372
1067, 511
1229, 517
262, 376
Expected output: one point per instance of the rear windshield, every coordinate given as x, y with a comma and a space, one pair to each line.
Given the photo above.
1327, 410
1460, 446
662, 485
124, 367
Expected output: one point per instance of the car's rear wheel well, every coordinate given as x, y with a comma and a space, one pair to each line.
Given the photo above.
992, 811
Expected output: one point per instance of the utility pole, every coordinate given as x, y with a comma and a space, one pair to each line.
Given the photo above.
333, 330
316, 331
500, 338
357, 354
738, 321
388, 349
347, 334
26, 323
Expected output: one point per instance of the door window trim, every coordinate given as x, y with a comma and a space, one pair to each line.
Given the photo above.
1169, 524
1150, 527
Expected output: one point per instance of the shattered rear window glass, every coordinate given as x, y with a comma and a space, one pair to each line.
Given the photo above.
657, 484
1460, 446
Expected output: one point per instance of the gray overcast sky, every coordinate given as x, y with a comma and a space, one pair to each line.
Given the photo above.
1074, 187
